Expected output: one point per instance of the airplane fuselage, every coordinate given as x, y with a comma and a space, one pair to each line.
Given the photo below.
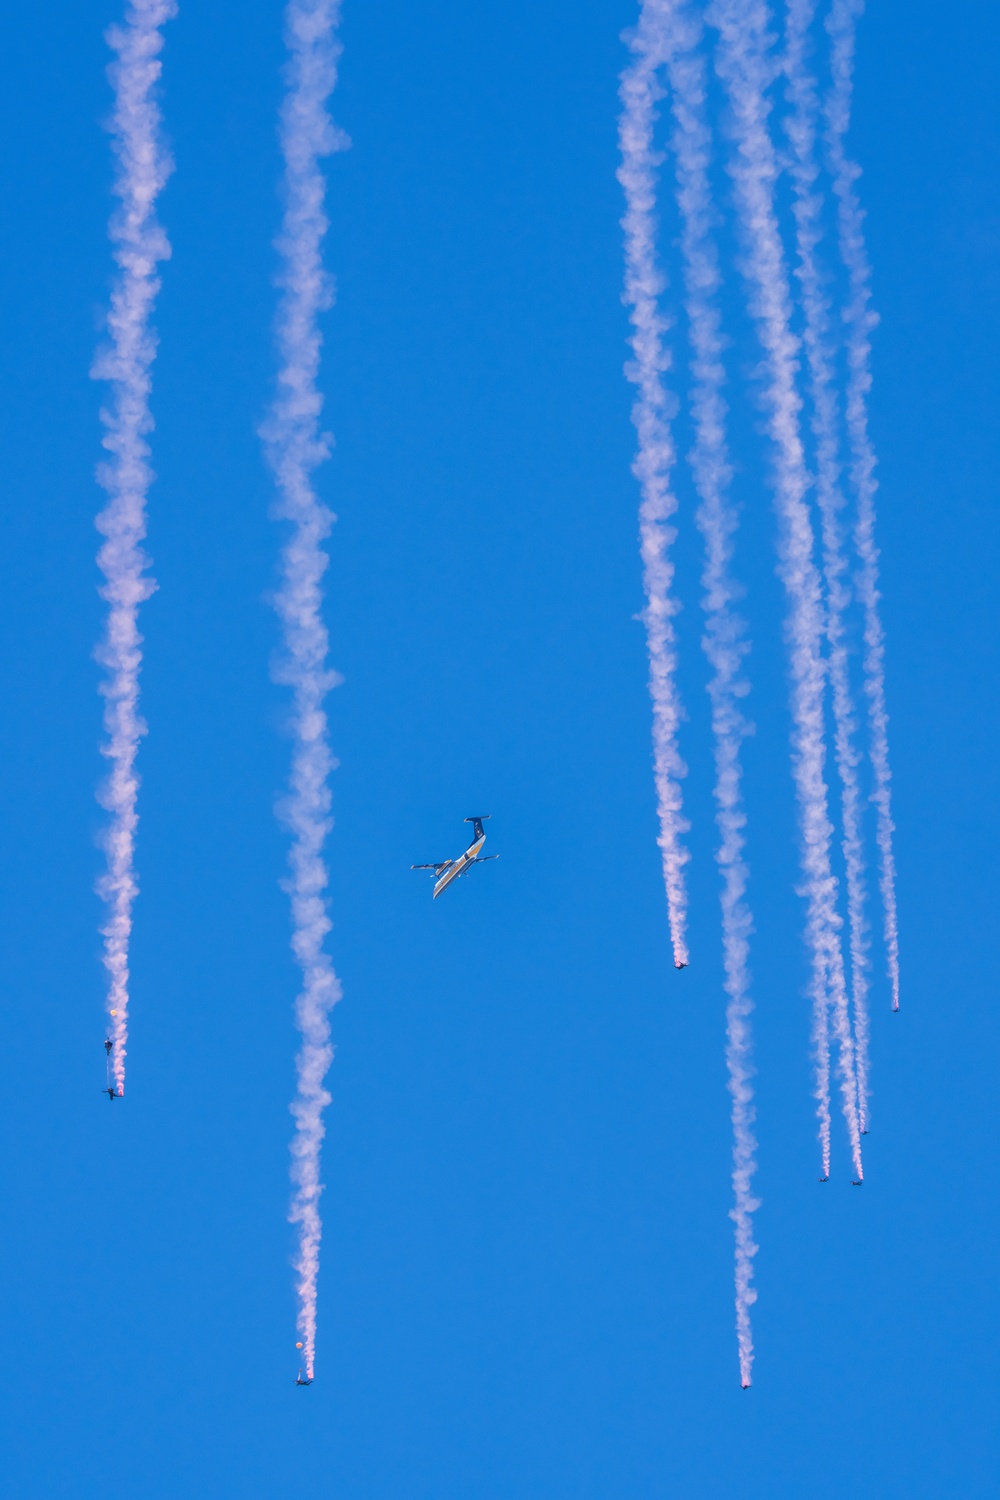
459, 867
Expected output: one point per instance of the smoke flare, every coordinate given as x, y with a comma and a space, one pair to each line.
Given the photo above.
143, 166
807, 209
745, 69
296, 446
654, 463
859, 320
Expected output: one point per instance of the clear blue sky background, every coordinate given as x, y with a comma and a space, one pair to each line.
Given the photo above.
526, 1281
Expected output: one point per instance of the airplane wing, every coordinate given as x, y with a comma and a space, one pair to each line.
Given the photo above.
445, 864
481, 859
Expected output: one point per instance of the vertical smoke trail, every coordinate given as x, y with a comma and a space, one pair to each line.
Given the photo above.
745, 69
139, 244
859, 321
678, 38
296, 446
820, 1037
654, 463
808, 208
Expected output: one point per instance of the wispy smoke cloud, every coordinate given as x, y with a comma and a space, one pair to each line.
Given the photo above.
139, 245
745, 67
859, 320
654, 464
296, 446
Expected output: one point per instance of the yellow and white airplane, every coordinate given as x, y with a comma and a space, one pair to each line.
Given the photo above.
450, 869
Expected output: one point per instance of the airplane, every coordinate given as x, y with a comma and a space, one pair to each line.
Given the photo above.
824, 1179
450, 869
864, 1132
299, 1380
679, 965
745, 1384
108, 1044
856, 1182
111, 1093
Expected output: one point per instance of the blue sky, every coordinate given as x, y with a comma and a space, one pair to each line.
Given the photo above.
526, 1281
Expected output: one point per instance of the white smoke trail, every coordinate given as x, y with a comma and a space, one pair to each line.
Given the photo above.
859, 321
654, 463
808, 212
296, 446
675, 34
820, 1038
745, 68
139, 244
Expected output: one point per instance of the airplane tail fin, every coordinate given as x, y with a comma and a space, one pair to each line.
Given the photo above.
477, 825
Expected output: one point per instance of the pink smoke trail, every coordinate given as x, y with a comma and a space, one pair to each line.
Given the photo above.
807, 208
296, 446
859, 320
745, 69
139, 244
654, 462
669, 29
